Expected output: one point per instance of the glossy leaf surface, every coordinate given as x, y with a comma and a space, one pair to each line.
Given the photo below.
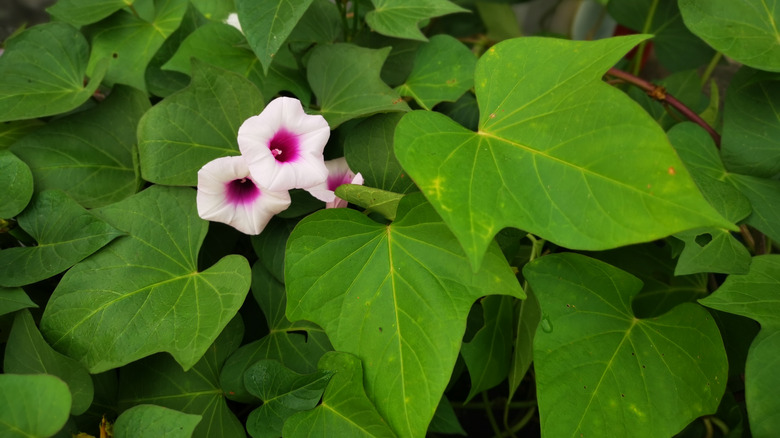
550, 155
625, 376
152, 420
396, 296
163, 304
43, 72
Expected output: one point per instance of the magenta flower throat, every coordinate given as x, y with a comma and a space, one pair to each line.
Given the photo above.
284, 146
241, 191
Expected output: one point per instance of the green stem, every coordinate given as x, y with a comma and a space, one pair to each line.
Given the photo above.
343, 13
355, 20
710, 68
523, 421
480, 406
489, 411
724, 428
640, 51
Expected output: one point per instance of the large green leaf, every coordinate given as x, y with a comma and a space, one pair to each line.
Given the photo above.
81, 12
558, 154
756, 295
161, 381
345, 410
25, 413
17, 181
283, 392
13, 299
43, 72
443, 70
396, 296
764, 197
298, 346
143, 293
27, 353
129, 42
400, 18
268, 23
746, 30
11, 132
89, 155
196, 125
345, 79
152, 420
675, 46
66, 234
751, 124
600, 371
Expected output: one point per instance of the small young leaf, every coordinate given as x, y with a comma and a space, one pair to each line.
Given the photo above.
373, 200
153, 420
43, 72
27, 353
400, 18
528, 316
24, 413
66, 234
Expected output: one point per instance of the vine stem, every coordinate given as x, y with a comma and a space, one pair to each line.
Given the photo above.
710, 68
489, 411
659, 93
640, 51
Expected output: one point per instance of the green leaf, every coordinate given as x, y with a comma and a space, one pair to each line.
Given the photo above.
527, 320
400, 18
345, 410
298, 346
161, 82
129, 42
27, 353
89, 155
685, 86
373, 200
746, 30
321, 24
43, 72
500, 20
161, 302
756, 295
196, 125
152, 420
17, 182
81, 12
268, 23
675, 46
283, 392
764, 197
345, 79
66, 234
11, 132
751, 124
443, 71
214, 9
161, 381
445, 421
550, 155
13, 299
602, 371
488, 354
24, 413
711, 250
368, 148
397, 296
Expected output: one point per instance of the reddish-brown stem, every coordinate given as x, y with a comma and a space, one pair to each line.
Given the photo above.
659, 93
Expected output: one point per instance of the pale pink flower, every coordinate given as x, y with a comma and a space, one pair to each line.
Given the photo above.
283, 146
338, 173
228, 194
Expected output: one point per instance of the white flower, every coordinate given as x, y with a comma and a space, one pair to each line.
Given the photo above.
232, 20
338, 173
228, 194
283, 146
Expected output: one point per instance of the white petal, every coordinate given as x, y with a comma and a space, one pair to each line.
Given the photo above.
339, 170
232, 20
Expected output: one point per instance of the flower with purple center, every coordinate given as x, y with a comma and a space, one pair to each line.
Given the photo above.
228, 194
283, 146
338, 173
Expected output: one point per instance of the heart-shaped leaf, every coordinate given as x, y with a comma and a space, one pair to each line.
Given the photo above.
17, 179
13, 299
396, 296
43, 72
268, 23
400, 18
745, 30
283, 392
66, 234
196, 125
81, 12
756, 295
129, 42
602, 371
161, 381
345, 79
345, 410
163, 302
89, 155
27, 353
430, 82
551, 156
153, 420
